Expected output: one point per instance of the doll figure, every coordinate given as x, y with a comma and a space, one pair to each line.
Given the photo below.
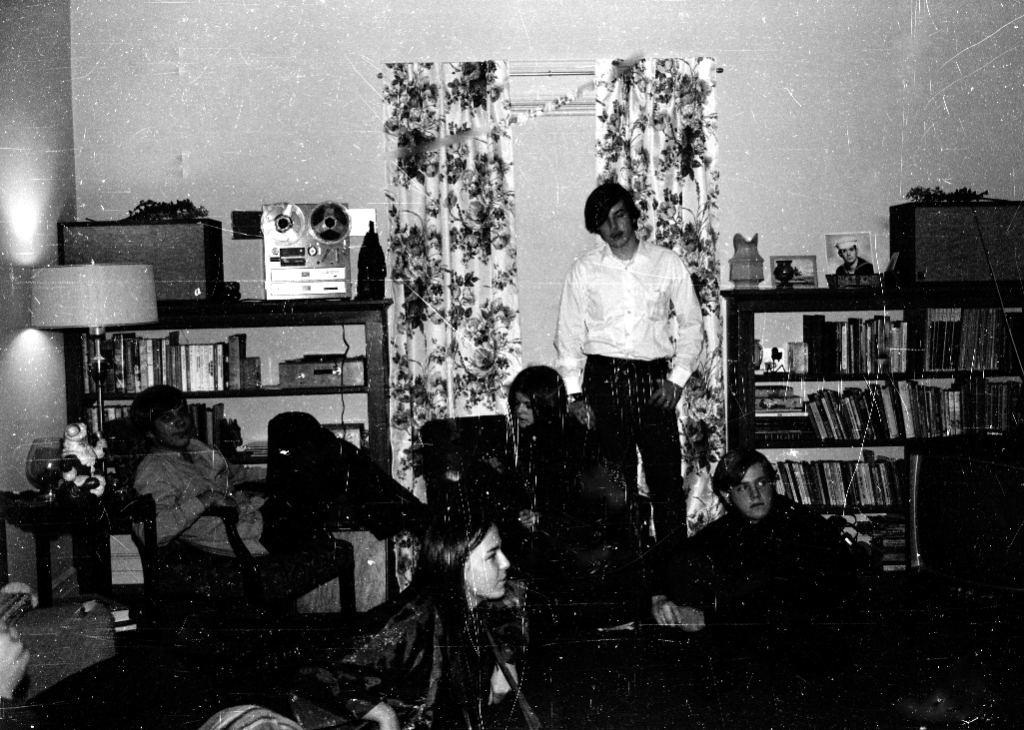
82, 461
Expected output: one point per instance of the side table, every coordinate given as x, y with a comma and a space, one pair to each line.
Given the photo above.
90, 523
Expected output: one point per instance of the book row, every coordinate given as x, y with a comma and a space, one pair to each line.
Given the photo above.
971, 339
869, 346
970, 405
872, 482
903, 409
889, 542
210, 425
949, 339
135, 363
872, 413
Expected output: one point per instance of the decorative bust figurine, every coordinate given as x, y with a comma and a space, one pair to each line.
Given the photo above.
82, 461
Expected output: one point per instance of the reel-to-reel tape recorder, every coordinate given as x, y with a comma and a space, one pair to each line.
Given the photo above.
306, 250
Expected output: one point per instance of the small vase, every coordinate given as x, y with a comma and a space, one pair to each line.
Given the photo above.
746, 269
784, 273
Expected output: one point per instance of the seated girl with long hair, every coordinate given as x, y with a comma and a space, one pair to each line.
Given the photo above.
547, 444
431, 656
572, 503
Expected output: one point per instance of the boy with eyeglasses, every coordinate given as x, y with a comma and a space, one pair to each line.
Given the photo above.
769, 565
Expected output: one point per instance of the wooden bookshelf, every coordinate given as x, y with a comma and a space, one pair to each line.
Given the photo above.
280, 317
839, 430
912, 306
290, 324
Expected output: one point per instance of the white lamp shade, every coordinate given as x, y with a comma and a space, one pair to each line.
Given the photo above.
93, 296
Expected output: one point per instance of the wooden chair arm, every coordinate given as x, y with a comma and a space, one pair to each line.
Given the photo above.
252, 584
226, 513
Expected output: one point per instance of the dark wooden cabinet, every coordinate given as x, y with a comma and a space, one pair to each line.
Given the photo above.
911, 305
938, 319
320, 323
280, 316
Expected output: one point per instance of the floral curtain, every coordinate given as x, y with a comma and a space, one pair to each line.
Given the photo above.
455, 320
656, 135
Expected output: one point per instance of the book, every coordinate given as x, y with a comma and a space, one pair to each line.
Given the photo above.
906, 408
133, 373
769, 390
788, 403
118, 364
165, 365
235, 355
216, 426
821, 425
893, 426
250, 373
814, 328
831, 405
219, 357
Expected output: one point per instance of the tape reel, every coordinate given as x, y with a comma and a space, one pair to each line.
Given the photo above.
329, 222
283, 223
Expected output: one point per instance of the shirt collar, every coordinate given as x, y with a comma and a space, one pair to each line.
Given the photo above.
642, 252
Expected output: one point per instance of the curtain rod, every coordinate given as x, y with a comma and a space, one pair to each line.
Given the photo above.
571, 67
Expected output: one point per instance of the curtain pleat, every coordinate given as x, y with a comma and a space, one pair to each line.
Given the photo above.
455, 338
656, 135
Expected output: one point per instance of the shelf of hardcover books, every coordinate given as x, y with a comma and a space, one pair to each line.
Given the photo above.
212, 371
885, 412
836, 387
868, 495
870, 483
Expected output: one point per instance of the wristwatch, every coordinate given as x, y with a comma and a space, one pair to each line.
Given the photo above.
575, 397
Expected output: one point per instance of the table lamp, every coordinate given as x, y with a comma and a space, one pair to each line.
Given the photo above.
93, 297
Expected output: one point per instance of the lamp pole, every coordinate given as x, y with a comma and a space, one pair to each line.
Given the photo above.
98, 367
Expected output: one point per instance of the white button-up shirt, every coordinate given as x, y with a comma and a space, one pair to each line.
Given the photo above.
630, 310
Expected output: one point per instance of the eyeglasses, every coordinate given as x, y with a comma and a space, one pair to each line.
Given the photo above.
755, 487
174, 414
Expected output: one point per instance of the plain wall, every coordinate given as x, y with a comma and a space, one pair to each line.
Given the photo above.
37, 188
828, 111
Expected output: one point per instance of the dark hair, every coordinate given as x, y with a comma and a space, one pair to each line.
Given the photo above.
603, 199
441, 573
151, 404
546, 391
734, 466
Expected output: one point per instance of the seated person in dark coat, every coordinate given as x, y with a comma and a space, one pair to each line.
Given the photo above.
769, 564
565, 496
431, 657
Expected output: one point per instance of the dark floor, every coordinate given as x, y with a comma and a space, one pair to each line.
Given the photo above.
586, 679
913, 639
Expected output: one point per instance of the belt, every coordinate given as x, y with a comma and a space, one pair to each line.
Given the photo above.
612, 360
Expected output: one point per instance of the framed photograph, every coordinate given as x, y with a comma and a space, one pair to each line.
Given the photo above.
849, 254
354, 433
805, 272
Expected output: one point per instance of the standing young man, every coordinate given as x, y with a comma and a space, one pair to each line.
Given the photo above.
629, 333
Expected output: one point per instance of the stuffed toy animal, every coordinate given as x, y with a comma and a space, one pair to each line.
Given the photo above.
82, 461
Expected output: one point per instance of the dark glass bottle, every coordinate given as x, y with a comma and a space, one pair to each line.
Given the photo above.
372, 267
